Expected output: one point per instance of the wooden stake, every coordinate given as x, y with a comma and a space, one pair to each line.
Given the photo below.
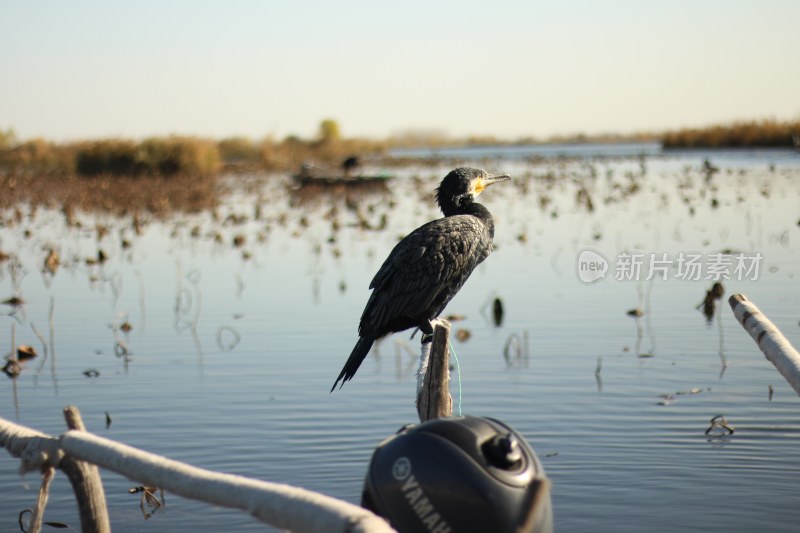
86, 483
41, 501
433, 396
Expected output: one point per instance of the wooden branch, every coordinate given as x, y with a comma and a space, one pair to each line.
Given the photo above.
86, 483
433, 378
769, 339
283, 506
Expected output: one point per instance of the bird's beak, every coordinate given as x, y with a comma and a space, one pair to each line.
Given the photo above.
492, 178
482, 183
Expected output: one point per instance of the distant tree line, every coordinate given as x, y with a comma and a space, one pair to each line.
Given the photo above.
176, 155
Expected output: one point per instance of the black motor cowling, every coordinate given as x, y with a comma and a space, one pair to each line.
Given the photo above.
458, 474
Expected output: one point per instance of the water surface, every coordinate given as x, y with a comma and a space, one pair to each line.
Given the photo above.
233, 349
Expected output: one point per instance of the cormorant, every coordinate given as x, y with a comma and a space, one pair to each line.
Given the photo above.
428, 267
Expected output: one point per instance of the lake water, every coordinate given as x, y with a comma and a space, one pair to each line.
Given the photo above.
233, 349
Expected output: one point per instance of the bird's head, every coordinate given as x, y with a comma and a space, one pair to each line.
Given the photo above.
462, 185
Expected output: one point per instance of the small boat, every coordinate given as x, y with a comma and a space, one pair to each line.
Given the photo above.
345, 176
347, 181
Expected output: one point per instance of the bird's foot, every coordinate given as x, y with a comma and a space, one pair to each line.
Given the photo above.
426, 326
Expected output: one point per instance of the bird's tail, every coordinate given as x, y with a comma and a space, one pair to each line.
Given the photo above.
357, 356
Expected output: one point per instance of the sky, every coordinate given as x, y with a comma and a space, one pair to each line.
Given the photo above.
509, 69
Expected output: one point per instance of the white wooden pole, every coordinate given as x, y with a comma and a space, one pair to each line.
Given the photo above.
769, 339
283, 506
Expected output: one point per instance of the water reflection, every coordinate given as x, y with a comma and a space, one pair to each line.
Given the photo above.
120, 329
597, 374
227, 338
516, 351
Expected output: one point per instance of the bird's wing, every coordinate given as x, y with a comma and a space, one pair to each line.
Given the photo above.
427, 261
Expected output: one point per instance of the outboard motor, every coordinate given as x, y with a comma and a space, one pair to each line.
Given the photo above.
458, 474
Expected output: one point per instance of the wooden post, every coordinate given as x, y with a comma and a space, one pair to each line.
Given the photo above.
769, 338
37, 514
86, 483
433, 378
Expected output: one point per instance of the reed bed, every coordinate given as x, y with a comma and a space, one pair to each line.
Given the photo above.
176, 156
152, 157
119, 195
745, 134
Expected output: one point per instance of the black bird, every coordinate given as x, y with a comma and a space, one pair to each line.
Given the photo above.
428, 267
